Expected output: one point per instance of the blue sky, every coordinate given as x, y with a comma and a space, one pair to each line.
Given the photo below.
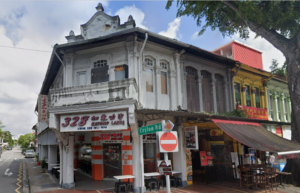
39, 25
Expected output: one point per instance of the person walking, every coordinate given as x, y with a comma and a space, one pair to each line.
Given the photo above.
0, 151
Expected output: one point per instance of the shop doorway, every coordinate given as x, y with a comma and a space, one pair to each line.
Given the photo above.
112, 160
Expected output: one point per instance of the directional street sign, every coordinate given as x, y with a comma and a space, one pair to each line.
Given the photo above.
150, 129
168, 141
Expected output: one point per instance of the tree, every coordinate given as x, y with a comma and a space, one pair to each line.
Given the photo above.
276, 21
280, 71
24, 140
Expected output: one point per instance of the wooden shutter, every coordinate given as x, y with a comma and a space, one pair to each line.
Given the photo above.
207, 91
192, 90
220, 92
100, 74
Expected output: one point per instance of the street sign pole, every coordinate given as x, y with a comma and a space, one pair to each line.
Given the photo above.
163, 123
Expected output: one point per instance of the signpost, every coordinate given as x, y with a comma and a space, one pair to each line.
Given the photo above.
167, 143
150, 129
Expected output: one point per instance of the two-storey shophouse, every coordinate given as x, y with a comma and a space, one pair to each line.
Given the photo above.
105, 83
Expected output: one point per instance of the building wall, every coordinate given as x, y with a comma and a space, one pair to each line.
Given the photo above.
200, 64
247, 56
279, 101
248, 78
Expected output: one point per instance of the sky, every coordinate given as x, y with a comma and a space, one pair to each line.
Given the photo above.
29, 29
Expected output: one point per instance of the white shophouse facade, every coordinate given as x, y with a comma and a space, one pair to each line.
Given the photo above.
103, 75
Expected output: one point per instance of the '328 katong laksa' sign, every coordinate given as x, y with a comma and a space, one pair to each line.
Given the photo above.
94, 122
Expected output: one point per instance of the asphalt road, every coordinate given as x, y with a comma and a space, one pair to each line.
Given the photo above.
11, 171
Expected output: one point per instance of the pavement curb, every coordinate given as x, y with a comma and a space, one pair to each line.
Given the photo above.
26, 183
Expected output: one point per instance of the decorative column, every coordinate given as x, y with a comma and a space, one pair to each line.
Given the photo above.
281, 103
157, 82
200, 91
288, 109
172, 89
227, 100
243, 95
69, 61
275, 110
269, 104
176, 57
252, 95
68, 164
137, 153
213, 83
180, 157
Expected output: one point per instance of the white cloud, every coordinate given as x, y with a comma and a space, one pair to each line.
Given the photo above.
269, 51
137, 14
195, 36
34, 25
173, 29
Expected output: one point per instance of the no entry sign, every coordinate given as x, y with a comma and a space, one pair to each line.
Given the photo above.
168, 141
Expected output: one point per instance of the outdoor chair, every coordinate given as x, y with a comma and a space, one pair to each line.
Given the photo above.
273, 178
246, 179
264, 179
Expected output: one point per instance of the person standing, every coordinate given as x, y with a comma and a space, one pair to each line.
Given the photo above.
271, 159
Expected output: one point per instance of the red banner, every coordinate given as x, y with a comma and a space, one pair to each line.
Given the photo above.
255, 113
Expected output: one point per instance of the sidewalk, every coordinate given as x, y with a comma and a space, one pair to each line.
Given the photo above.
44, 183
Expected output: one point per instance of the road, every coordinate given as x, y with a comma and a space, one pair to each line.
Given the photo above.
11, 171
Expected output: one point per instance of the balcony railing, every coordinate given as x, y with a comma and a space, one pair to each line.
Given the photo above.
94, 93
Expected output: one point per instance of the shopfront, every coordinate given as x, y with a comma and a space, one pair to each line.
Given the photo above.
103, 145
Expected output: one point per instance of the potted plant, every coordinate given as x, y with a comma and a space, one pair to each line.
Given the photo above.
43, 164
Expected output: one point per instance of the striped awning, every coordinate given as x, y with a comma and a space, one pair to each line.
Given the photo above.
256, 136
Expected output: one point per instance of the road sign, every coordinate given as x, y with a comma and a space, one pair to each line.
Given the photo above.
168, 141
150, 129
169, 125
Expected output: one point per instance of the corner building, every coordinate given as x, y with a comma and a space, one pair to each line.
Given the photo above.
105, 83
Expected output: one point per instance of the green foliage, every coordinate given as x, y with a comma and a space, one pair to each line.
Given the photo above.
37, 157
1, 126
281, 71
236, 113
231, 17
43, 163
25, 140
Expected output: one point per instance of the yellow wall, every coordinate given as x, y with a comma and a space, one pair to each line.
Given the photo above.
253, 78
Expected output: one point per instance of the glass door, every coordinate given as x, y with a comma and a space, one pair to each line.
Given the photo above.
112, 160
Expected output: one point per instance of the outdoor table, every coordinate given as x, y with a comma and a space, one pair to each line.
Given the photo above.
122, 178
281, 174
176, 172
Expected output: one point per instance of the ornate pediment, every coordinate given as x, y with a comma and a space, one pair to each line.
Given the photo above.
101, 24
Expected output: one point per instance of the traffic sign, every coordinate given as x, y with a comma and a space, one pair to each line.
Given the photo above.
150, 129
169, 125
168, 141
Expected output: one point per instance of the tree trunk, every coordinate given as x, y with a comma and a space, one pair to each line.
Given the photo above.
293, 68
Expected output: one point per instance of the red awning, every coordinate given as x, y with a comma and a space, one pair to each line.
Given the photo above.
256, 136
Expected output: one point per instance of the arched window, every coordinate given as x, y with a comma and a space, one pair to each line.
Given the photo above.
220, 92
192, 89
149, 74
207, 91
164, 78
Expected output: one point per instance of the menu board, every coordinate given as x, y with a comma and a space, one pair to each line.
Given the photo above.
206, 158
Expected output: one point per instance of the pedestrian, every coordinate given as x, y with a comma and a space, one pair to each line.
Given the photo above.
271, 159
0, 151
